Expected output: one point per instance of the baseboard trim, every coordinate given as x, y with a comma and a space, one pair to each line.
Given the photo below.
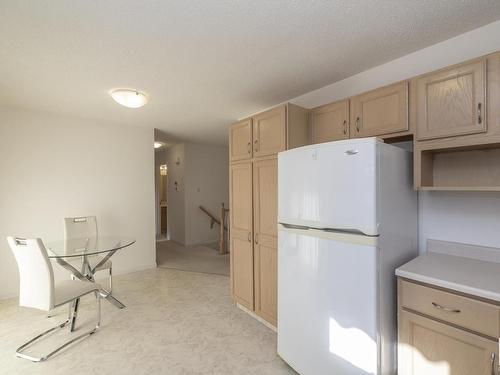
256, 317
135, 269
8, 296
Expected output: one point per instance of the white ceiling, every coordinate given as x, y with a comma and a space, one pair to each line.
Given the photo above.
205, 63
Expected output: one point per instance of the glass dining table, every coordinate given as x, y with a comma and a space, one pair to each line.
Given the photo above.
75, 254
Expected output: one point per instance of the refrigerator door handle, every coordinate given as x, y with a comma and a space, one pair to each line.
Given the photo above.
351, 152
291, 226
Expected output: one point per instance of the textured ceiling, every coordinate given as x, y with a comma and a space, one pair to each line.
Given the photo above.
206, 63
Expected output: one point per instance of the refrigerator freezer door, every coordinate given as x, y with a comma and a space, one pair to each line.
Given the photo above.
331, 185
327, 304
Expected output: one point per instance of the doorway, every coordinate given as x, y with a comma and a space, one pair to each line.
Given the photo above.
163, 217
161, 194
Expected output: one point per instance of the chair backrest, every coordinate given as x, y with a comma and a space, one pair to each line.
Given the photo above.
36, 277
80, 227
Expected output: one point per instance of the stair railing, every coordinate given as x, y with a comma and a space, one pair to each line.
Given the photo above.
223, 227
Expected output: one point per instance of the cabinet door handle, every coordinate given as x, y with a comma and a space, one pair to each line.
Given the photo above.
249, 147
256, 238
249, 237
493, 363
256, 145
345, 127
357, 124
447, 309
479, 110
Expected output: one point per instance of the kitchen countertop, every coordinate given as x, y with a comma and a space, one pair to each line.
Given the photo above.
478, 277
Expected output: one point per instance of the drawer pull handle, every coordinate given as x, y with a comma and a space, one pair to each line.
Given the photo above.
249, 147
345, 127
479, 117
492, 363
447, 309
357, 124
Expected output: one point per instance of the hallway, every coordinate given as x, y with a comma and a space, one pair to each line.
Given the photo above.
198, 258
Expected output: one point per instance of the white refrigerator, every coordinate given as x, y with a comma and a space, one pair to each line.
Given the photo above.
347, 218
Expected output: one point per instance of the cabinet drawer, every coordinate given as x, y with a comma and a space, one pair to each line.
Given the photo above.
475, 315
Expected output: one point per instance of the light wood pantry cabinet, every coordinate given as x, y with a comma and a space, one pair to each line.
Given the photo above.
253, 203
381, 111
330, 122
241, 239
452, 101
442, 333
240, 140
265, 193
269, 132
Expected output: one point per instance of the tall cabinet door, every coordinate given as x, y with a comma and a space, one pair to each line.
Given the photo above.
241, 235
266, 238
452, 102
427, 347
330, 122
240, 140
269, 132
380, 111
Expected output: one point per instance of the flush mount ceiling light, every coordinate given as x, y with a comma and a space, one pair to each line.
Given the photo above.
129, 98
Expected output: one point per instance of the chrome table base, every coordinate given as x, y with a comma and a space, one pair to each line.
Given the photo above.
87, 273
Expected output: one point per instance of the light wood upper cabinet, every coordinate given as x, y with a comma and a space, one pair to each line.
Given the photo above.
269, 132
380, 111
330, 122
241, 236
240, 140
452, 102
428, 347
266, 237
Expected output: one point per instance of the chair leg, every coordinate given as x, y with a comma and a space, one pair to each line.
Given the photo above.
110, 280
19, 351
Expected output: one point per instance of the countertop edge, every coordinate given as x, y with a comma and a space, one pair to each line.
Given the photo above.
448, 285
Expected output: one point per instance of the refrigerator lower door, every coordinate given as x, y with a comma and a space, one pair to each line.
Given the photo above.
327, 302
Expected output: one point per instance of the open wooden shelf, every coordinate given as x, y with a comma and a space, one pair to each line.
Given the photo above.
468, 168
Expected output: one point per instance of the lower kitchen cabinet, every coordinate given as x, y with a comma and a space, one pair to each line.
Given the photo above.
428, 347
444, 333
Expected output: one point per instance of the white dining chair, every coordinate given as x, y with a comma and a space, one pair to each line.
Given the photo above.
86, 227
38, 290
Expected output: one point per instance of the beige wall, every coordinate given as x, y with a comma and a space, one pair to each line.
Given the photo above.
207, 185
203, 180
52, 167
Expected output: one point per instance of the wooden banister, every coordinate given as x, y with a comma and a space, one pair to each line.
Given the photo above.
221, 222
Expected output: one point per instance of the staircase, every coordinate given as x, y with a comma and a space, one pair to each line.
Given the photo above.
221, 221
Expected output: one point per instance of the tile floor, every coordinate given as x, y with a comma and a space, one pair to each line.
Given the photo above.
175, 322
